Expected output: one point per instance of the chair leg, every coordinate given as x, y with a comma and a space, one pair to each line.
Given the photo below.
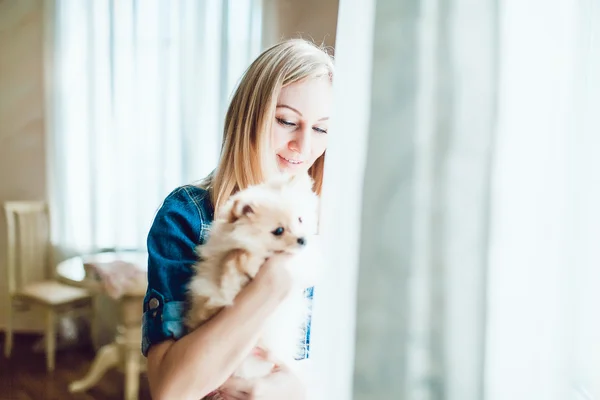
8, 338
50, 339
132, 373
93, 324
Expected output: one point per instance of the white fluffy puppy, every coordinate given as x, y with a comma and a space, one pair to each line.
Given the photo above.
278, 216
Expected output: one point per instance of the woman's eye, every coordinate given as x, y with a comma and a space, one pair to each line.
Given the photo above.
320, 130
285, 123
278, 231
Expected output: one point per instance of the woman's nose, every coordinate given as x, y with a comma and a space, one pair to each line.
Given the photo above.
301, 142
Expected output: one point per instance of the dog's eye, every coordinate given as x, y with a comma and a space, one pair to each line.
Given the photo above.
278, 231
300, 219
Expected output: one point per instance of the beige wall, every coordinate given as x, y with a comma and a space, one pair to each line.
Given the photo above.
314, 19
22, 154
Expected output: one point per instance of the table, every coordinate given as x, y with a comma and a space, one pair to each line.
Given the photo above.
125, 351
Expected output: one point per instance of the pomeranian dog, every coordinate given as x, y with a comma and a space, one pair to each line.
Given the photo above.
278, 216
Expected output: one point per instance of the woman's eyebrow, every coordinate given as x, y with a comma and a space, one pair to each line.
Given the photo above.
297, 112
290, 108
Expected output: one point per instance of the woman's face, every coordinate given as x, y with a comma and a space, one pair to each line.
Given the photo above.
301, 124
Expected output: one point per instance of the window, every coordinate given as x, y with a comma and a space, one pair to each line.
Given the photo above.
138, 94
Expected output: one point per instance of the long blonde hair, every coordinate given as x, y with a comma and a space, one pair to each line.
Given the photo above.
246, 154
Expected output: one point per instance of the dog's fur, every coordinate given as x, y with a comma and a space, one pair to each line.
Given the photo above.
241, 238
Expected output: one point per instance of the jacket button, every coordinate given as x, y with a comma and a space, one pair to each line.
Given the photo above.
153, 303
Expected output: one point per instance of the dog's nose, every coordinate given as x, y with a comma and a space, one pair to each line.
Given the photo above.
301, 241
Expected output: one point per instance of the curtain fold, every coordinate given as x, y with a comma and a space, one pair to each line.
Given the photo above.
334, 307
139, 95
400, 312
543, 329
471, 272
422, 280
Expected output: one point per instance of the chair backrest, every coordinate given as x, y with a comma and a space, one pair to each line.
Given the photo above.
28, 233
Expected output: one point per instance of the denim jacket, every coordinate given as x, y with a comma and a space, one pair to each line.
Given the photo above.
180, 225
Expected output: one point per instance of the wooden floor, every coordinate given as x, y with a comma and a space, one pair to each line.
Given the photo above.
24, 376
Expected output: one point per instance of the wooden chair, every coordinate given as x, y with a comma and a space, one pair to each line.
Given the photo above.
30, 275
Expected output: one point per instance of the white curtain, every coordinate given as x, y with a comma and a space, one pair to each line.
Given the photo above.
333, 319
138, 95
461, 208
400, 312
543, 326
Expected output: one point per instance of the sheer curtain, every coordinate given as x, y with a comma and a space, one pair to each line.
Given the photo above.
461, 204
333, 320
400, 314
138, 95
543, 324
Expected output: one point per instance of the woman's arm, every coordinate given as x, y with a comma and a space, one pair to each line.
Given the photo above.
201, 361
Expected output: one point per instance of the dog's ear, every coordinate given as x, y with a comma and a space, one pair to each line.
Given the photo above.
239, 209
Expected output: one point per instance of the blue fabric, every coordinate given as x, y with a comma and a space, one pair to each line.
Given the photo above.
180, 225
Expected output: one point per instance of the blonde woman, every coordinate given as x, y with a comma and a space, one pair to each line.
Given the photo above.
277, 121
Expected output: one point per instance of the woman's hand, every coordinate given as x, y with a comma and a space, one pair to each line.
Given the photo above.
280, 384
274, 276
